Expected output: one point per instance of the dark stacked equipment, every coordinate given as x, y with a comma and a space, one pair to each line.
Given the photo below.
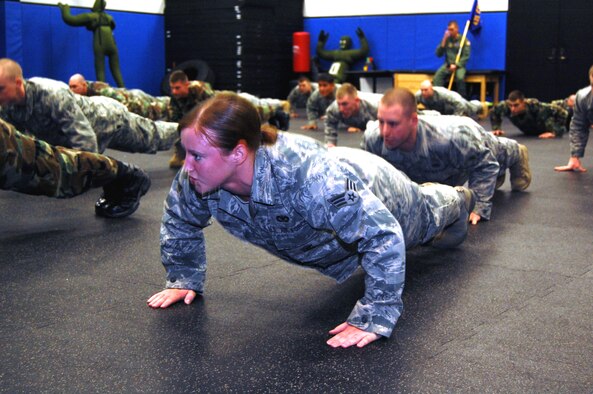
247, 43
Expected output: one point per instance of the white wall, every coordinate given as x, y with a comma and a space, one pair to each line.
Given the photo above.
144, 6
325, 8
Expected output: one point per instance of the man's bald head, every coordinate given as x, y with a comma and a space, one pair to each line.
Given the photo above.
12, 83
78, 84
426, 89
10, 69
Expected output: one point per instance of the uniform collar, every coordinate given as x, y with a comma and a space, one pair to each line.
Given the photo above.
30, 92
263, 187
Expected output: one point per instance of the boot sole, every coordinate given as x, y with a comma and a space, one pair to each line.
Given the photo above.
141, 192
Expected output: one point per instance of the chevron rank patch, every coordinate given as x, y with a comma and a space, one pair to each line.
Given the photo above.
349, 197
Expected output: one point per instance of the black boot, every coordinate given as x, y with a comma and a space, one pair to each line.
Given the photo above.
121, 197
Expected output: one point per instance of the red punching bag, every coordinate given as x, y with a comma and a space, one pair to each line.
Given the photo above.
301, 56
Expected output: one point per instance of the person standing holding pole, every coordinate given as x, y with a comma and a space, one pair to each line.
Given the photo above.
456, 50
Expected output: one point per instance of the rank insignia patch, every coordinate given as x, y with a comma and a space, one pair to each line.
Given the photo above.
349, 197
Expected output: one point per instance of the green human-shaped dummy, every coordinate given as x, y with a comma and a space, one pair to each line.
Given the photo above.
102, 26
344, 57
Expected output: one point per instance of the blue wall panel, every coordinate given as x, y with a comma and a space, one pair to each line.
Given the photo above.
2, 29
408, 42
14, 43
45, 46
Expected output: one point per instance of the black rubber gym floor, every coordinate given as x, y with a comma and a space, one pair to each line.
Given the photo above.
509, 311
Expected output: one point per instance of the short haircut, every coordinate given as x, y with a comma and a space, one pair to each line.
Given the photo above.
347, 89
10, 69
304, 79
400, 96
516, 95
178, 76
454, 23
325, 77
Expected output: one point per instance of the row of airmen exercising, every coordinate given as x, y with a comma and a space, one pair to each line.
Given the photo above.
331, 209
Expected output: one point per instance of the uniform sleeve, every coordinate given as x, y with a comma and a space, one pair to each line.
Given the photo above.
440, 51
183, 251
496, 115
73, 123
556, 119
205, 92
579, 128
418, 97
456, 103
292, 97
371, 141
332, 121
471, 155
312, 110
114, 94
176, 113
361, 221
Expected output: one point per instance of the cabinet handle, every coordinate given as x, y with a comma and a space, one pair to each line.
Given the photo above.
552, 54
562, 55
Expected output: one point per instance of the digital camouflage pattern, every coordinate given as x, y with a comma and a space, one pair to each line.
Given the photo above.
538, 117
582, 120
334, 119
451, 150
60, 117
327, 210
32, 166
317, 105
448, 102
199, 91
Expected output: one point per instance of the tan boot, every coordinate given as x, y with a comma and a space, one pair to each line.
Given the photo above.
178, 157
485, 110
286, 106
520, 172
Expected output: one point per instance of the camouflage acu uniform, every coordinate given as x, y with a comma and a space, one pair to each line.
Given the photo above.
32, 166
581, 122
327, 210
538, 117
297, 99
140, 103
317, 104
451, 150
334, 119
441, 77
448, 102
60, 117
198, 91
